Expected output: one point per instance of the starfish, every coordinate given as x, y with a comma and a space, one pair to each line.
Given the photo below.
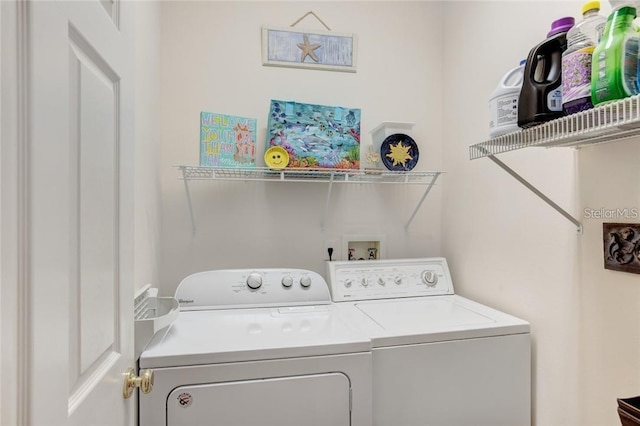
308, 49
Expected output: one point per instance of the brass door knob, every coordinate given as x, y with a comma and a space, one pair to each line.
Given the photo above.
131, 381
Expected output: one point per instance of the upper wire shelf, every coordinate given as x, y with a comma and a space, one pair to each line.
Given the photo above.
306, 175
605, 123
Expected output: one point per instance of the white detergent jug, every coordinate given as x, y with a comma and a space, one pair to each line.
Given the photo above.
503, 103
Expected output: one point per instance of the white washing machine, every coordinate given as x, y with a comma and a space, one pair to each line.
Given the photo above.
438, 359
257, 347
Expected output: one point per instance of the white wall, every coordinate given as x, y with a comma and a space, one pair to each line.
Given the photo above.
510, 250
609, 178
436, 64
211, 61
147, 179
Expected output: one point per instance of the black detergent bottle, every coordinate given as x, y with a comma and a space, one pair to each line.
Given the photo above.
541, 94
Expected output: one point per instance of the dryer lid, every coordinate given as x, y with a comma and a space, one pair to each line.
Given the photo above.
235, 335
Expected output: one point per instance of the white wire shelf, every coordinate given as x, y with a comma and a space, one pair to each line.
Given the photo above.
306, 175
606, 123
326, 176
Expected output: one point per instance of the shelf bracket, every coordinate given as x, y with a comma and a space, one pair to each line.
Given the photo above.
183, 169
424, 196
535, 190
326, 204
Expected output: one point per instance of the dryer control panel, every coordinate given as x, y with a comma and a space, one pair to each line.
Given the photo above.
388, 278
251, 288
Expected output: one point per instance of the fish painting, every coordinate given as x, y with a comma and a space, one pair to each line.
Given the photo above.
317, 136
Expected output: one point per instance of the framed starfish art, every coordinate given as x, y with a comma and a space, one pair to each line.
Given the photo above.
309, 49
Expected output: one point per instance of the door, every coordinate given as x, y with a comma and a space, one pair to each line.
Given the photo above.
310, 400
80, 160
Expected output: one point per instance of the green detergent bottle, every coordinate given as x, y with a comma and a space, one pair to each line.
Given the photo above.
614, 71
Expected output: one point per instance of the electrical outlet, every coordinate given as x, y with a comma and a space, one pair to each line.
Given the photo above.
331, 244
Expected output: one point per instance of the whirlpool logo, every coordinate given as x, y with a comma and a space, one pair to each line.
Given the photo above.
185, 301
185, 399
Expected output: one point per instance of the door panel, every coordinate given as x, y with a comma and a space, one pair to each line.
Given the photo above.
111, 7
92, 97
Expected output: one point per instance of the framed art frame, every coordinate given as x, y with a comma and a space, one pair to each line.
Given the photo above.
309, 49
621, 244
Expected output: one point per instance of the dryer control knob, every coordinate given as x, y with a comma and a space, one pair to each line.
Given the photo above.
305, 281
430, 278
397, 279
381, 281
364, 282
254, 281
287, 281
348, 282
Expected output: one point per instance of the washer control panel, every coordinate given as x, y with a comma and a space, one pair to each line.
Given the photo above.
388, 278
237, 288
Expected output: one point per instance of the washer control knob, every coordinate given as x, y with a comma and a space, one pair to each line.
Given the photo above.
305, 281
397, 279
254, 281
348, 282
287, 281
381, 281
430, 278
364, 282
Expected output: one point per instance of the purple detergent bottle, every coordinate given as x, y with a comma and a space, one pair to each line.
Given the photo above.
582, 40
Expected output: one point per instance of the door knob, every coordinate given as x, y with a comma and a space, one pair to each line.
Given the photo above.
131, 381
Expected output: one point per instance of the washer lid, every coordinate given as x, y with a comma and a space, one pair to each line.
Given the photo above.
415, 315
234, 335
432, 319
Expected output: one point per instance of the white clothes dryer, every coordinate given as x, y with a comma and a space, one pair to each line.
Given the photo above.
438, 359
257, 347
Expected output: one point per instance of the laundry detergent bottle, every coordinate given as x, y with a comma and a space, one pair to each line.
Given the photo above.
582, 40
541, 95
614, 71
503, 102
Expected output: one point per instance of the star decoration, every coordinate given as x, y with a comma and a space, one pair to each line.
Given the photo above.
308, 49
399, 154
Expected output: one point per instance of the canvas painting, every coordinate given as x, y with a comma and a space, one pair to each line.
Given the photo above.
315, 136
227, 140
621, 246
